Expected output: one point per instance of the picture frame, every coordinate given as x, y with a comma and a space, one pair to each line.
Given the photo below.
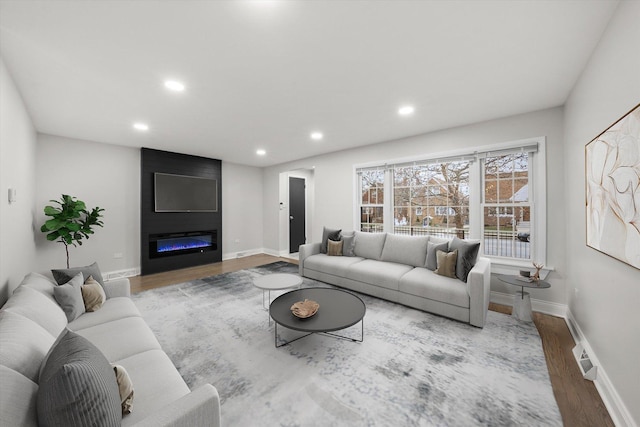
612, 189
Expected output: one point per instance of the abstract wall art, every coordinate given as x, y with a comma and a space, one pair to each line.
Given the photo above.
612, 169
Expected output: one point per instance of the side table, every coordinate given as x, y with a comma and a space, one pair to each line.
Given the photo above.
522, 299
275, 282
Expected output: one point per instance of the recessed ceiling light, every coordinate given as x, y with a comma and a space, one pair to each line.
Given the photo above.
261, 152
174, 85
406, 110
317, 136
141, 126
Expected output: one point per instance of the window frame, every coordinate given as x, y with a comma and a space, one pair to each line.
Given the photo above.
537, 194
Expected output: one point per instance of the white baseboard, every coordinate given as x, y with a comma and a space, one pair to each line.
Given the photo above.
119, 274
610, 397
546, 307
242, 254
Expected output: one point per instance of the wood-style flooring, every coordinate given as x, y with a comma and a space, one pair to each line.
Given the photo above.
578, 400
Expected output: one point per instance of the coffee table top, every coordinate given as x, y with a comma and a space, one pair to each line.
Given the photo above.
338, 310
277, 281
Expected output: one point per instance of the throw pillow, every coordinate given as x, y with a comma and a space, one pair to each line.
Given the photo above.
328, 234
432, 248
334, 248
125, 387
62, 276
467, 254
77, 386
69, 297
93, 295
446, 263
347, 246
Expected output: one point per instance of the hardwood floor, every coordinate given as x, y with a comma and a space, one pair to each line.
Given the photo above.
579, 402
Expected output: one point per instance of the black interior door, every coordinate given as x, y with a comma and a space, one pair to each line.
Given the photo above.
296, 214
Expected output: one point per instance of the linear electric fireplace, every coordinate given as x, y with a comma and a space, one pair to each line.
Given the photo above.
171, 244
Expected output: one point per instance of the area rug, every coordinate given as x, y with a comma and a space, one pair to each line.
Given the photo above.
412, 368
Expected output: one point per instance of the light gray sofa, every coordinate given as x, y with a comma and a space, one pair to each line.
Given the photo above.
393, 267
31, 320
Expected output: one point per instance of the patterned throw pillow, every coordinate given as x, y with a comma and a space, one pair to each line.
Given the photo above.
446, 263
334, 248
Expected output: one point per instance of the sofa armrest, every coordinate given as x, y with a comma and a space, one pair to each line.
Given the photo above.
479, 289
201, 407
117, 288
304, 252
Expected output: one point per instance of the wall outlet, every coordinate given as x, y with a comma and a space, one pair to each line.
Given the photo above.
117, 255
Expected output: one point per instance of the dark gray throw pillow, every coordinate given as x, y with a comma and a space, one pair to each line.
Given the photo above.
432, 249
467, 254
77, 386
328, 234
62, 276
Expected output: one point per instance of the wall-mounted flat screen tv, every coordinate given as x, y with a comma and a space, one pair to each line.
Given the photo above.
181, 193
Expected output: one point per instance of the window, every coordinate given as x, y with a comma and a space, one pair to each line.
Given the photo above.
506, 219
431, 199
488, 194
372, 200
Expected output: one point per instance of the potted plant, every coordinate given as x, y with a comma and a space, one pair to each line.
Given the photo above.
70, 222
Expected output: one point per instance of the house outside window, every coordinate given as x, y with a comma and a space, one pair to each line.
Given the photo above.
371, 184
494, 194
506, 219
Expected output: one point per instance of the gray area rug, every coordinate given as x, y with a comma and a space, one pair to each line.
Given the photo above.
413, 368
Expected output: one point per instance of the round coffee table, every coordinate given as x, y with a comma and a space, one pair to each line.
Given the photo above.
522, 299
338, 310
275, 282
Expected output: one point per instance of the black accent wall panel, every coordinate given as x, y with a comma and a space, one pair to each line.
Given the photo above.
176, 222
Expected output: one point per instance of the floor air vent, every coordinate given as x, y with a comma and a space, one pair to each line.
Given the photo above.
589, 371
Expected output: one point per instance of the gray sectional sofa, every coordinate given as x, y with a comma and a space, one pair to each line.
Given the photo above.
31, 320
394, 267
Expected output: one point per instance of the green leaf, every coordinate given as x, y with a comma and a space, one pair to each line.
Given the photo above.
51, 211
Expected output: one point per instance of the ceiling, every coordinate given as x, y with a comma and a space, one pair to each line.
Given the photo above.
265, 74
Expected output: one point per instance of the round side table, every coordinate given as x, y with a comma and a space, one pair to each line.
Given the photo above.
522, 299
275, 282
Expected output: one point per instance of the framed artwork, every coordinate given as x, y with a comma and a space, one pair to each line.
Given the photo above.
612, 169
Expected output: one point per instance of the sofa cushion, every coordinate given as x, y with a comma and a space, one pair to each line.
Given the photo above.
93, 295
378, 273
113, 309
38, 307
410, 250
446, 263
77, 386
328, 234
467, 254
157, 383
63, 275
23, 344
121, 338
334, 248
125, 388
69, 296
426, 284
40, 283
369, 245
336, 266
348, 242
17, 399
432, 249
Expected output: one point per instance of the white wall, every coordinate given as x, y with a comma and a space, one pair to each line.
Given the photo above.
17, 163
334, 189
241, 210
100, 175
603, 293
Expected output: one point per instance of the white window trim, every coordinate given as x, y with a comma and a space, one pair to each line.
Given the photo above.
539, 184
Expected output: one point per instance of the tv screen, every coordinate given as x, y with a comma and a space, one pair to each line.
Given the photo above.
180, 193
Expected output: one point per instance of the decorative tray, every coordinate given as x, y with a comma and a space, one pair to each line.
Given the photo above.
304, 309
